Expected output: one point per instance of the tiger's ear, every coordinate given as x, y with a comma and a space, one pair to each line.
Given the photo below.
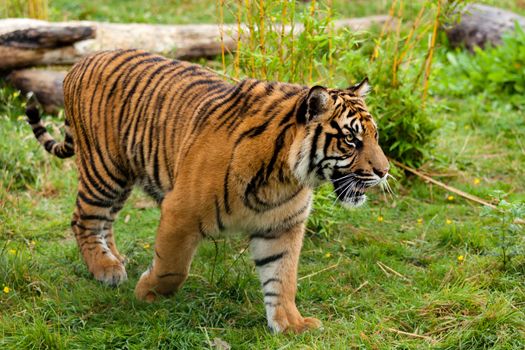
316, 103
360, 89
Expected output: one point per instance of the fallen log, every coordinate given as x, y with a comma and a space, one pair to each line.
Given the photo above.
45, 84
26, 47
177, 41
482, 25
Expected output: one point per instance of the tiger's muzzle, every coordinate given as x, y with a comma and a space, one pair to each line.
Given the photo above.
350, 188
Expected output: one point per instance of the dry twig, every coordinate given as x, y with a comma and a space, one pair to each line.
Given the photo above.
414, 335
450, 188
318, 272
391, 270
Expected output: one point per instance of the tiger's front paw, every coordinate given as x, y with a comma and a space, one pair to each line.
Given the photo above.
289, 320
298, 326
145, 289
151, 284
110, 271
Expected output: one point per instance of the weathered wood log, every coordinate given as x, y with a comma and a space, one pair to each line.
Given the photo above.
177, 41
482, 25
47, 37
45, 84
26, 47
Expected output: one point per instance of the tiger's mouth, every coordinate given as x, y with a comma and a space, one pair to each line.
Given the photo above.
350, 191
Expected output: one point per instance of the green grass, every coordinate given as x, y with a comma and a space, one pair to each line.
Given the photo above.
414, 271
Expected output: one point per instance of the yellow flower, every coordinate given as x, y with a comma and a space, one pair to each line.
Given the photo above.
450, 197
448, 221
380, 218
461, 258
420, 220
146, 245
327, 255
12, 251
6, 289
477, 181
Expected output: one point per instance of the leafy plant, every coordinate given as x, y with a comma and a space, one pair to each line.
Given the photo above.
506, 230
495, 71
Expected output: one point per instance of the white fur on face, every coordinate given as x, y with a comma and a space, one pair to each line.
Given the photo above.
302, 163
353, 202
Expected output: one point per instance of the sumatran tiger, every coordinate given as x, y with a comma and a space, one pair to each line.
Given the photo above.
217, 157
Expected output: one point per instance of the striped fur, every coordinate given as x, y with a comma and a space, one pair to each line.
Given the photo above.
217, 157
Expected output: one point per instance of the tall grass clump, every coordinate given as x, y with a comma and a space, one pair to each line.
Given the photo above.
25, 8
295, 42
20, 161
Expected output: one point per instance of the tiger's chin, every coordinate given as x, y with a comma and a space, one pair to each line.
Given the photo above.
353, 201
349, 197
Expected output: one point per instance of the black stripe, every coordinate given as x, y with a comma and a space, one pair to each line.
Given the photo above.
202, 231
262, 236
95, 217
86, 228
270, 280
69, 139
268, 259
278, 147
95, 203
253, 132
227, 207
272, 304
171, 274
39, 131
220, 224
287, 117
48, 145
301, 112
95, 243
313, 148
239, 109
98, 183
232, 91
271, 294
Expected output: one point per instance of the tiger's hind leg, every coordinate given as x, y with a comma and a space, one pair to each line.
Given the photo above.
108, 227
92, 226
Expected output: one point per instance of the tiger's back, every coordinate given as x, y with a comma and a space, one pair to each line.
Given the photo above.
130, 110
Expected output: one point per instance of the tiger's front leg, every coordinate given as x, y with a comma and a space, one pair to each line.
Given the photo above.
276, 257
177, 239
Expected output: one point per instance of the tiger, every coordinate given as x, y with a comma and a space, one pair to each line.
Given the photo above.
217, 157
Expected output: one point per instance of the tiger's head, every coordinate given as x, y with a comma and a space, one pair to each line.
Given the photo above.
338, 142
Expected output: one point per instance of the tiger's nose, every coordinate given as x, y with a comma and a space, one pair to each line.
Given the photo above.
381, 172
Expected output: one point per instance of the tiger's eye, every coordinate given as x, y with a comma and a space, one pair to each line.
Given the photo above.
349, 139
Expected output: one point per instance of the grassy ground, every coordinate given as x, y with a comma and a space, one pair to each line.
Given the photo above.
415, 271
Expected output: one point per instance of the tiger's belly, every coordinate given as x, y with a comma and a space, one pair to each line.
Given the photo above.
150, 169
277, 219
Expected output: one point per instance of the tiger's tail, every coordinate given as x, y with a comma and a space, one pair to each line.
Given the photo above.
63, 149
